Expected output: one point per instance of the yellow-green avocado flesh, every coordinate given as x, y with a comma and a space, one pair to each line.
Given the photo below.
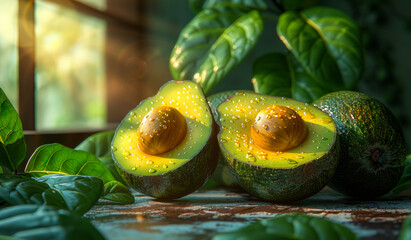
181, 170
277, 176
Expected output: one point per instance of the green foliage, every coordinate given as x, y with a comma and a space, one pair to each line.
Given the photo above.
214, 43
284, 78
406, 229
327, 43
326, 52
12, 144
405, 180
44, 222
75, 193
99, 144
58, 159
295, 226
117, 192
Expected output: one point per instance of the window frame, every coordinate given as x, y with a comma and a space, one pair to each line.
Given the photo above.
27, 67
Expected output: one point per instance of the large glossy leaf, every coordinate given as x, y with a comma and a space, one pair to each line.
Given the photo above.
99, 144
75, 193
58, 159
213, 43
405, 181
12, 145
45, 222
79, 192
327, 43
198, 5
295, 226
277, 75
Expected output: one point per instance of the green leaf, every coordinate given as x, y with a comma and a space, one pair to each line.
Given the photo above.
12, 145
99, 144
58, 159
214, 43
405, 180
75, 193
295, 226
117, 192
79, 192
198, 5
406, 229
327, 43
45, 222
277, 75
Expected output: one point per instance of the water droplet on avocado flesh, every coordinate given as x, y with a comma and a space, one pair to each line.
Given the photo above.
164, 109
312, 133
257, 146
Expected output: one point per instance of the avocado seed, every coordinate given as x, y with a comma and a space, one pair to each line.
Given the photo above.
161, 130
278, 128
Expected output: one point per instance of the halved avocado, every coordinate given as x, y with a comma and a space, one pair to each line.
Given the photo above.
373, 148
166, 147
278, 149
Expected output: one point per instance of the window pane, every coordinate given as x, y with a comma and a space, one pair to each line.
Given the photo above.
8, 50
70, 68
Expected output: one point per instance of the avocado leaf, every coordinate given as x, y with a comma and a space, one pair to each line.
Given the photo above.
277, 75
45, 222
327, 44
117, 192
405, 229
214, 42
75, 193
405, 180
99, 144
12, 145
58, 159
198, 5
294, 226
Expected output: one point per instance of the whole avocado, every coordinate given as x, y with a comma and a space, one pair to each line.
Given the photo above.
373, 148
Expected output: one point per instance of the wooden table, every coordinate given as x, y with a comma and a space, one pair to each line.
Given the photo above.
204, 213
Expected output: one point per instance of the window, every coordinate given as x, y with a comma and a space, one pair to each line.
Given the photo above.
83, 64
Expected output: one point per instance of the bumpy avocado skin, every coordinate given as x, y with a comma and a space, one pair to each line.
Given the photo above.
181, 181
373, 148
222, 175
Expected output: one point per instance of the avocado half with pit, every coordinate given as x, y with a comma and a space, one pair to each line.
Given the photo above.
373, 148
166, 147
278, 149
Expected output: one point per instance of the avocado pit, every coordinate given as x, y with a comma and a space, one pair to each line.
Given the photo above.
278, 128
161, 130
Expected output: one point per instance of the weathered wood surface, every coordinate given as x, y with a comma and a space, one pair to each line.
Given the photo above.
206, 212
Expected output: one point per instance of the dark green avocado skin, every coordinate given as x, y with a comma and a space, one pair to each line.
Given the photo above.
373, 148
